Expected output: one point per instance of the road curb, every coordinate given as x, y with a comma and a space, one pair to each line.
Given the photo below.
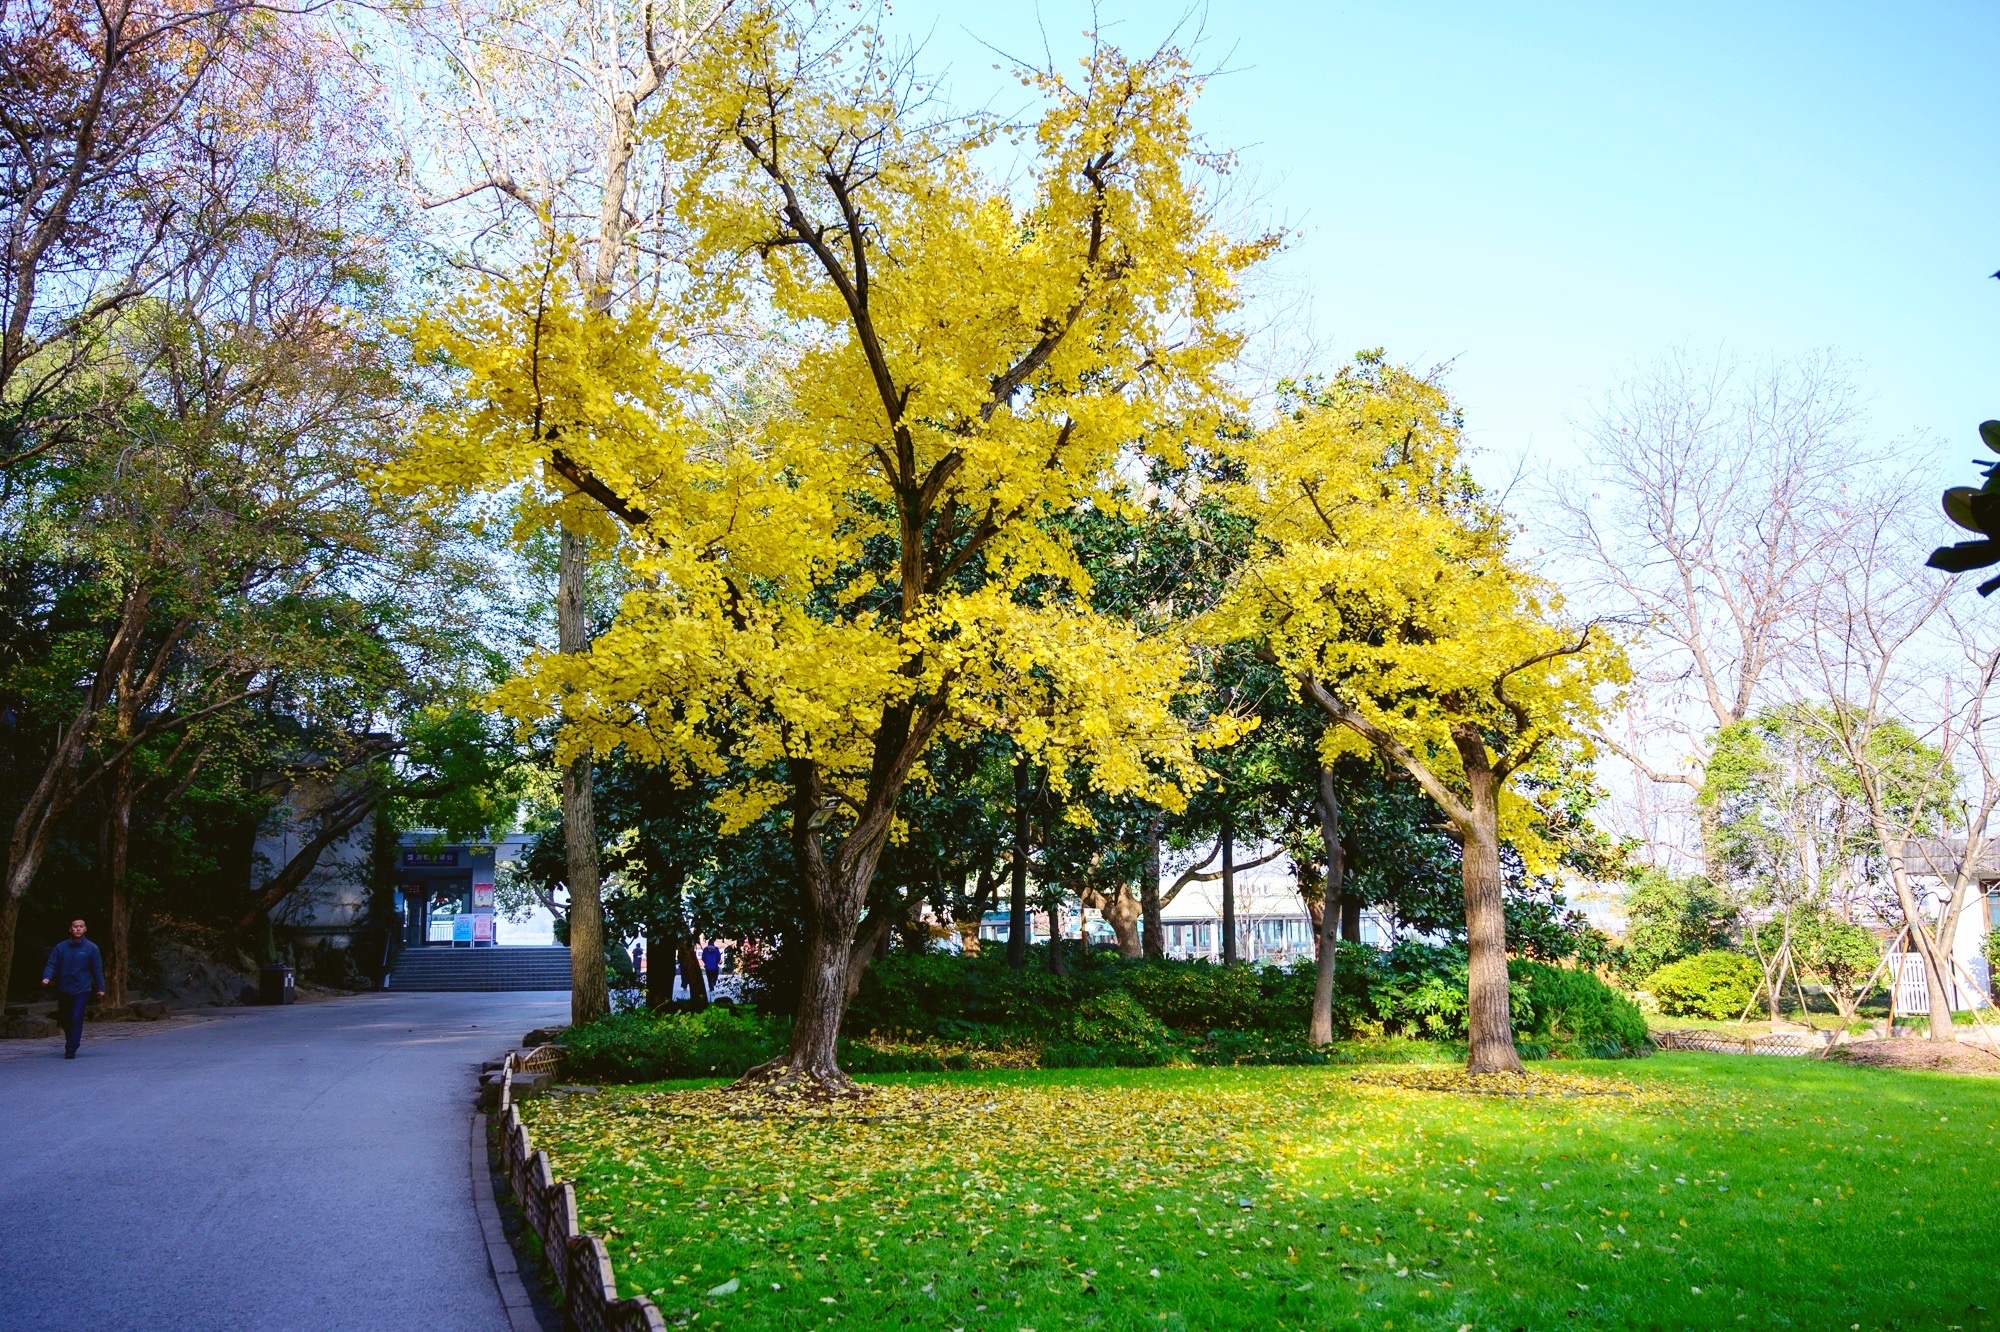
500, 1259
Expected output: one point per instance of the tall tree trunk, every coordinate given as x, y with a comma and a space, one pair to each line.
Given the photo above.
691, 972
10, 920
1489, 1015
1350, 918
590, 987
1320, 1030
1228, 886
1936, 962
834, 895
1017, 905
117, 850
1149, 894
660, 955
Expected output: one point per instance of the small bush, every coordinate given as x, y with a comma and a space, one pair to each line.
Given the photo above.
1110, 1030
1572, 1010
645, 1047
1712, 985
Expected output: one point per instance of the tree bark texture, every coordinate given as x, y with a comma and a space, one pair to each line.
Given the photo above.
590, 990
1149, 894
10, 920
1121, 911
117, 852
1320, 1029
1017, 903
1489, 1016
1228, 887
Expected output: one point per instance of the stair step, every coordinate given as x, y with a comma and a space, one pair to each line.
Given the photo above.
490, 969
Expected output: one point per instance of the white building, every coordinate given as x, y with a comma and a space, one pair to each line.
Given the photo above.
1971, 984
1272, 925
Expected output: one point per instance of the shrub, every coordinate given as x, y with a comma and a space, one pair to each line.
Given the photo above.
1110, 1030
1572, 1010
1670, 917
644, 1047
1418, 989
1714, 985
1199, 997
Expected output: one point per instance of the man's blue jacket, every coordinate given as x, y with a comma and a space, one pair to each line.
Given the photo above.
76, 967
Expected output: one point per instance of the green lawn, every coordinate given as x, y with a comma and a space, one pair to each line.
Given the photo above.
1726, 1191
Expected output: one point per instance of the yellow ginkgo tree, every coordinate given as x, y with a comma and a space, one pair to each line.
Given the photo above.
849, 554
1383, 586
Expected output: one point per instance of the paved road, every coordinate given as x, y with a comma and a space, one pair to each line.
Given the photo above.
302, 1169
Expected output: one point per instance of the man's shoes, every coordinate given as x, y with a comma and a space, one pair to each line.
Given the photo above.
69, 1054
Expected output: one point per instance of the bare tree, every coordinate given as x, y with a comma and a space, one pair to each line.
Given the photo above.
1907, 692
1708, 520
111, 115
527, 137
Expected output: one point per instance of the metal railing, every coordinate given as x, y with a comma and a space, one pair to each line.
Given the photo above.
580, 1263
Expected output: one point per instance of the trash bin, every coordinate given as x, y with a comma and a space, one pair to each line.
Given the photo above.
274, 984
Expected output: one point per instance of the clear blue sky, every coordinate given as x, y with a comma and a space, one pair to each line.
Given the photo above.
1542, 193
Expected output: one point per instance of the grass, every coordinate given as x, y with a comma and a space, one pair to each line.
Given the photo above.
1714, 1192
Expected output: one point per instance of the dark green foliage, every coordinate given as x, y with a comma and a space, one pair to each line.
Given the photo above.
1975, 511
1211, 1014
1109, 1030
1714, 985
931, 1012
1573, 1010
646, 1047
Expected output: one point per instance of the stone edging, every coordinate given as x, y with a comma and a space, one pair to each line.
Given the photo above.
500, 1258
579, 1262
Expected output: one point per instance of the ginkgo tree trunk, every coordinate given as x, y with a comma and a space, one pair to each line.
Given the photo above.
842, 553
1383, 586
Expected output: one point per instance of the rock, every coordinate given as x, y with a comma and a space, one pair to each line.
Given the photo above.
149, 1010
531, 1084
543, 1036
493, 1065
28, 1027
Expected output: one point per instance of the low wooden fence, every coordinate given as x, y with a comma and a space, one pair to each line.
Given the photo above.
580, 1262
1713, 1042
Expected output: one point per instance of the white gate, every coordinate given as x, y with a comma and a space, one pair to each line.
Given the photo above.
1913, 994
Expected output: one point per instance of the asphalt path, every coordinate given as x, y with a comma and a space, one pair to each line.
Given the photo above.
287, 1168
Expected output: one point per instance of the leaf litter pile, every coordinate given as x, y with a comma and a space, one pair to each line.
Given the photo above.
1267, 1198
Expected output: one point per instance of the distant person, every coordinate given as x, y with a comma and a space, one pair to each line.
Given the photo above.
711, 963
76, 970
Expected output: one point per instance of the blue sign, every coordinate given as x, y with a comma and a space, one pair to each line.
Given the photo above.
461, 929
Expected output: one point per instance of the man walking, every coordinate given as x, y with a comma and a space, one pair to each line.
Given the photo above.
77, 971
711, 962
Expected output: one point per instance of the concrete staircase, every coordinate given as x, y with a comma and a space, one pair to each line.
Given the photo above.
502, 968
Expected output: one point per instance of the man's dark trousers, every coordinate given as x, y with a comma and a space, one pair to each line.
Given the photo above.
69, 1012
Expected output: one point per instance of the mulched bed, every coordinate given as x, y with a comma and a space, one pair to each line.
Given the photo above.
1932, 1056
